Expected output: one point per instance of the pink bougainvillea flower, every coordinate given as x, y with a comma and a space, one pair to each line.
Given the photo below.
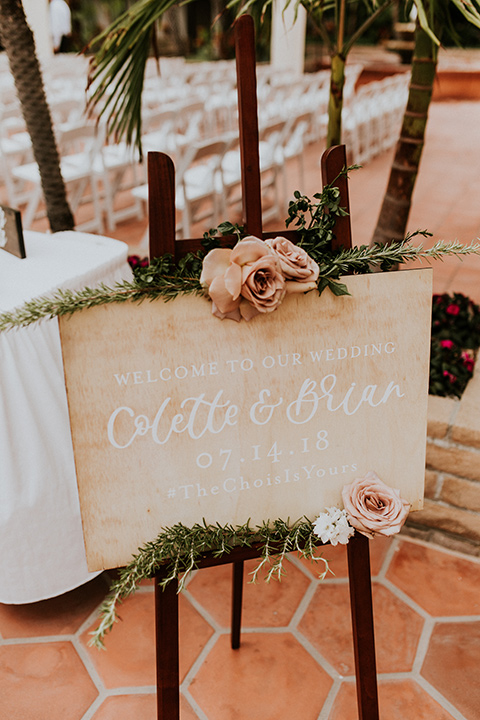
468, 361
453, 309
446, 344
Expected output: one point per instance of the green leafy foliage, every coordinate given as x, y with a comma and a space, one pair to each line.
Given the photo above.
455, 317
315, 221
163, 278
180, 548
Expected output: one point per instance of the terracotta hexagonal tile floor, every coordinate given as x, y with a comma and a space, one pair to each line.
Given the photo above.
44, 681
337, 559
130, 707
427, 575
289, 664
452, 665
270, 604
398, 700
271, 677
327, 625
124, 707
133, 638
59, 616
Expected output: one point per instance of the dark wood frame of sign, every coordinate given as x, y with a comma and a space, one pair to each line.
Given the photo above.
161, 179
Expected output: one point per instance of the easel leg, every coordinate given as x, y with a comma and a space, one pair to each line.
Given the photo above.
362, 625
237, 596
166, 634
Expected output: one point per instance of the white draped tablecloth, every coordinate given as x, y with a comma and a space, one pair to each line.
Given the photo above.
41, 542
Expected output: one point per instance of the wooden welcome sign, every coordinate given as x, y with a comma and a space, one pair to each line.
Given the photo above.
178, 416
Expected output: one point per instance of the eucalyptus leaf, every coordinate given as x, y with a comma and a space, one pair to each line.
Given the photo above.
337, 288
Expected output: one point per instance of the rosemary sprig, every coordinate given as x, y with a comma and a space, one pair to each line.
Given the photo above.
149, 283
358, 259
181, 548
162, 279
66, 302
363, 259
278, 539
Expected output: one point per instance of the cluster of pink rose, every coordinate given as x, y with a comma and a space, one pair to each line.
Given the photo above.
370, 506
255, 276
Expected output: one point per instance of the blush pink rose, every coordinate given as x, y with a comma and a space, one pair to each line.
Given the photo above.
215, 265
243, 282
374, 508
263, 286
296, 265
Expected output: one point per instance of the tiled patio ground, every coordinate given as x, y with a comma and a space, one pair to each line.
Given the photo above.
296, 657
295, 660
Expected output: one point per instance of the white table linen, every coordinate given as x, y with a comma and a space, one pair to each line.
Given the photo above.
41, 543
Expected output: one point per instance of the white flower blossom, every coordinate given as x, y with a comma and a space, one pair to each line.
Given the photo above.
332, 526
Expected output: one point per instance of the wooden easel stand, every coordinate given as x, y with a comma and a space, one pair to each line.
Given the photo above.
161, 176
167, 634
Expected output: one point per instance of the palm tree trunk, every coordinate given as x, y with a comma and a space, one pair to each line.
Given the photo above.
17, 39
393, 218
335, 100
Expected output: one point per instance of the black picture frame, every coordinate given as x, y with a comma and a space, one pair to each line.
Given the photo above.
11, 232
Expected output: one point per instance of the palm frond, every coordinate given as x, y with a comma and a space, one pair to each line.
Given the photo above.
469, 11
257, 8
117, 68
424, 23
379, 9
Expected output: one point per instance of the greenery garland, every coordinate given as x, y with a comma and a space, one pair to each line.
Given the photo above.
181, 548
314, 222
163, 279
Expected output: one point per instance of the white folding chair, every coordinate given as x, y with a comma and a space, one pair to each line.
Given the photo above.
189, 123
15, 149
78, 148
271, 162
67, 113
293, 141
116, 165
200, 184
271, 159
158, 131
